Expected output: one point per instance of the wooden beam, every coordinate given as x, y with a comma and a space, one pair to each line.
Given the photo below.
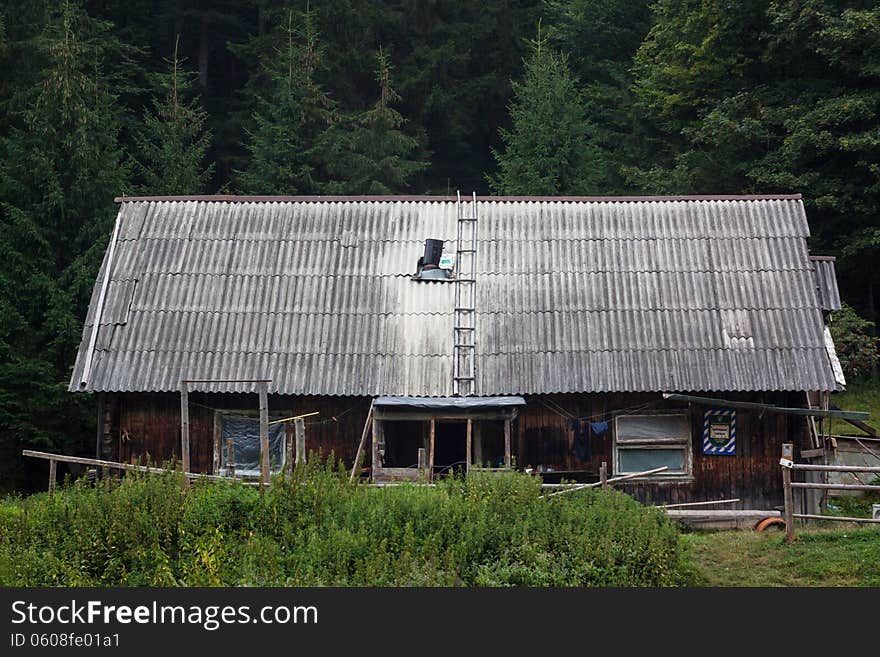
768, 408
835, 468
375, 459
230, 458
301, 456
53, 475
81, 460
99, 439
788, 455
433, 430
184, 425
217, 443
603, 474
288, 450
818, 486
837, 518
263, 388
468, 446
360, 450
507, 443
423, 464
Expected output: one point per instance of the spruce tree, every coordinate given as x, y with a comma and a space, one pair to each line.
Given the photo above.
61, 164
172, 142
372, 154
550, 148
287, 141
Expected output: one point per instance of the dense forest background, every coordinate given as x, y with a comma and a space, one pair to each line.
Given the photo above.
110, 97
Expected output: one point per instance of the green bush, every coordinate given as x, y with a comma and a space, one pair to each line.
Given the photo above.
856, 348
317, 529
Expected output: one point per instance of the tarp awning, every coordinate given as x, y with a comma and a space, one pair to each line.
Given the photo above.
447, 403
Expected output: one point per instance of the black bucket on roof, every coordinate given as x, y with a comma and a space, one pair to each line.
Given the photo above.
428, 267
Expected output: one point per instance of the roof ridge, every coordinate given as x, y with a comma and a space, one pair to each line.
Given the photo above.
232, 198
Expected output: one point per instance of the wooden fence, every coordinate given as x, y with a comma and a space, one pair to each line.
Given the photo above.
788, 465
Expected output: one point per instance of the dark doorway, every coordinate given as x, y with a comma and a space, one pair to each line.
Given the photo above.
450, 446
402, 441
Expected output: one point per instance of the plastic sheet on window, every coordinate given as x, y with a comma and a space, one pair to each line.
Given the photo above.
652, 427
245, 434
640, 460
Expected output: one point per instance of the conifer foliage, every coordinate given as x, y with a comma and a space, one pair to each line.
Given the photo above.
173, 143
373, 153
550, 146
287, 141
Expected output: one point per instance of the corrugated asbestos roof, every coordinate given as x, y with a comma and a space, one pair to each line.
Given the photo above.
639, 294
826, 282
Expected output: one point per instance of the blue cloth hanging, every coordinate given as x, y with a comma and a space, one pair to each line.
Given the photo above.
599, 428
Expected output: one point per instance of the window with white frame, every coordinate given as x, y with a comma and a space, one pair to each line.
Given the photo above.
646, 442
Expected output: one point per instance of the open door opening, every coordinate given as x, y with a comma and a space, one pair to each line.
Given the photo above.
402, 440
450, 446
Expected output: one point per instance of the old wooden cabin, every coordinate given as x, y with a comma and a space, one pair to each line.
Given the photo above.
543, 334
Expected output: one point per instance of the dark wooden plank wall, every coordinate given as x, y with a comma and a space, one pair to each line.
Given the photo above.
148, 425
544, 437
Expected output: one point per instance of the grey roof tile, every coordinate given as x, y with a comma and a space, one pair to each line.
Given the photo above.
641, 295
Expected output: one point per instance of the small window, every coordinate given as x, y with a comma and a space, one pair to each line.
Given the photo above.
645, 442
245, 434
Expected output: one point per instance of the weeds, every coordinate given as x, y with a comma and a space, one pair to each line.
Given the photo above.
317, 529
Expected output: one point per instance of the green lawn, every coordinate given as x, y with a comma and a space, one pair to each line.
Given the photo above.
859, 396
819, 557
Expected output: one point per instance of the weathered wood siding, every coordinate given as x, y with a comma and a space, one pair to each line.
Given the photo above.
544, 437
148, 426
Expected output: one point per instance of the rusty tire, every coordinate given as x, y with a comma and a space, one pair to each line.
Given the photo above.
777, 523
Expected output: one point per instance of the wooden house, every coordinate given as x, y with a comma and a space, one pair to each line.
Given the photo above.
537, 333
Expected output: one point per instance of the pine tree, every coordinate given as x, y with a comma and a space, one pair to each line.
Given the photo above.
287, 143
601, 37
173, 142
373, 155
550, 148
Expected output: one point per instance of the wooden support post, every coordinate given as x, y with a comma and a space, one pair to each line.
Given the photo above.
376, 463
521, 446
468, 446
184, 425
230, 458
603, 475
360, 450
264, 434
288, 450
423, 464
788, 453
217, 444
433, 431
300, 425
507, 443
99, 439
53, 473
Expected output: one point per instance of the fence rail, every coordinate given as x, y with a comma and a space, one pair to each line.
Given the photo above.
788, 486
80, 460
603, 482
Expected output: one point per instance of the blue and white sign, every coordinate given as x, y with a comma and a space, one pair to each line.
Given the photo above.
719, 432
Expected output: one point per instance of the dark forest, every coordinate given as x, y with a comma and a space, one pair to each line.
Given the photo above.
556, 97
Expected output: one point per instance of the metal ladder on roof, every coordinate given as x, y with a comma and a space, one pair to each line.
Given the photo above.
465, 315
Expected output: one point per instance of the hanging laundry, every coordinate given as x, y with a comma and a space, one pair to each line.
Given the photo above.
599, 428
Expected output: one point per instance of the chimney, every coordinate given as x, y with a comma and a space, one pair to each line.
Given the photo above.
428, 266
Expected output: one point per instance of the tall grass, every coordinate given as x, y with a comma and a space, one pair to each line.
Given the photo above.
317, 529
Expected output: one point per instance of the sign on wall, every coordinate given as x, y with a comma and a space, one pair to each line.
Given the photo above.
719, 432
